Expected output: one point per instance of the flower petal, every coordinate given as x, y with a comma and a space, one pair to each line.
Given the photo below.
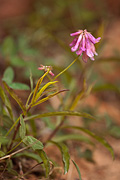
76, 33
74, 48
79, 52
93, 39
85, 57
73, 42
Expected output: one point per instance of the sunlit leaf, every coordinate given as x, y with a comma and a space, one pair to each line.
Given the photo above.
78, 170
48, 97
37, 87
14, 96
98, 138
19, 86
60, 113
22, 129
33, 142
45, 160
65, 155
8, 75
43, 89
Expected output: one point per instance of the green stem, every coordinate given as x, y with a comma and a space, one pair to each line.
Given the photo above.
14, 147
13, 126
65, 69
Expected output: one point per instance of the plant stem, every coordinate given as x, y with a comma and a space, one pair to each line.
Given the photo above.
65, 69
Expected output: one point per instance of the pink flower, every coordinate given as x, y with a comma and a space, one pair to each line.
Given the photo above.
46, 68
83, 44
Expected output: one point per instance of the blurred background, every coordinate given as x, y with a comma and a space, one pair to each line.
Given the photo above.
34, 32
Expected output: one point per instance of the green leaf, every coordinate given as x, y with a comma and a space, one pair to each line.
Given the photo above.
14, 96
19, 86
17, 61
8, 75
8, 47
22, 129
78, 170
99, 139
103, 87
30, 155
37, 87
6, 102
60, 113
7, 121
48, 97
45, 160
65, 155
115, 131
32, 142
43, 89
2, 153
78, 137
3, 140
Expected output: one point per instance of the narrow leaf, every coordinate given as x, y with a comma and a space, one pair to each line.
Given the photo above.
6, 101
33, 142
78, 170
22, 129
29, 155
14, 96
37, 86
99, 139
45, 160
48, 97
60, 113
78, 137
65, 155
43, 89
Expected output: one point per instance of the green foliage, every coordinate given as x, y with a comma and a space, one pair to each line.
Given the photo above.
32, 142
78, 170
45, 160
8, 77
99, 139
22, 130
65, 155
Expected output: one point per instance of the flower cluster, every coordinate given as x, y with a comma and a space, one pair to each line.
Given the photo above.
83, 44
46, 68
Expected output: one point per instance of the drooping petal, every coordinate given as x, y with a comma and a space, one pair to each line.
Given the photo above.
93, 49
79, 52
74, 48
89, 51
76, 33
83, 44
73, 42
84, 57
93, 39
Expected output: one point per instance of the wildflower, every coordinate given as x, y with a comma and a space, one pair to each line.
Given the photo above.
46, 68
83, 44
